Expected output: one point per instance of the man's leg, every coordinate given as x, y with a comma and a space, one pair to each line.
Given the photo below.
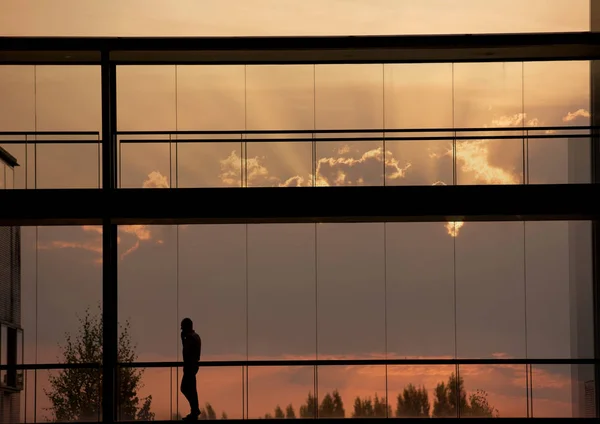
193, 395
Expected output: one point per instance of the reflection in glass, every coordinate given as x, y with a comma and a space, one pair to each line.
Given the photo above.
353, 392
67, 98
146, 98
349, 96
562, 391
281, 284
419, 284
68, 264
209, 97
280, 392
415, 392
150, 398
489, 95
209, 164
280, 97
66, 395
490, 290
145, 165
148, 291
355, 163
279, 164
68, 166
558, 160
490, 391
211, 289
17, 98
350, 290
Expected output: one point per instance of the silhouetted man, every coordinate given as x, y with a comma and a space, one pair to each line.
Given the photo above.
192, 345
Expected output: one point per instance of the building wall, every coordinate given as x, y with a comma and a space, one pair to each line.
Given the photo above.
10, 307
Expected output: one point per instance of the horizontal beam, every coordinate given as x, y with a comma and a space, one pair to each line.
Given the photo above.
307, 50
313, 363
301, 204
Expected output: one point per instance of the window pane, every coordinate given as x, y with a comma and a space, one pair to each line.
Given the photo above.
145, 165
148, 291
348, 96
490, 290
280, 392
280, 97
558, 160
351, 291
209, 98
68, 98
212, 288
281, 267
489, 95
420, 283
146, 98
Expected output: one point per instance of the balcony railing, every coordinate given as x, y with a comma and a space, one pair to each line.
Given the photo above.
385, 150
175, 406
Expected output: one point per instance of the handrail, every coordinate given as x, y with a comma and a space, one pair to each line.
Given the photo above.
316, 362
21, 133
358, 131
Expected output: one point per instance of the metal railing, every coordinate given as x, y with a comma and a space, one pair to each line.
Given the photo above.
317, 389
246, 139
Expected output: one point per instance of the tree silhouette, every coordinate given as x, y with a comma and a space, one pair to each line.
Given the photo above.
412, 402
279, 412
451, 398
208, 412
371, 408
309, 409
289, 411
75, 394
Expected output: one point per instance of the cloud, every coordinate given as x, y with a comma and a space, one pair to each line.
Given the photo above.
130, 236
354, 168
571, 116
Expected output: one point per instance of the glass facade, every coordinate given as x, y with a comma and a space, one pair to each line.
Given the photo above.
460, 313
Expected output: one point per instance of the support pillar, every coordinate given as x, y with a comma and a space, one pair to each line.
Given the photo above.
109, 245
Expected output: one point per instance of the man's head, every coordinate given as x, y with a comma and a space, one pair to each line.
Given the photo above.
187, 326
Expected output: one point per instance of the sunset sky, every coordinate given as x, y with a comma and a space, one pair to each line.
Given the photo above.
430, 290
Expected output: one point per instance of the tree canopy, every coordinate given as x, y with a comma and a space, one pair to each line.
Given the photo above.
75, 394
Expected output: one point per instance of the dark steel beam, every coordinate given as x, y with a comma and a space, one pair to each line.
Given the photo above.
110, 336
7, 158
302, 204
296, 50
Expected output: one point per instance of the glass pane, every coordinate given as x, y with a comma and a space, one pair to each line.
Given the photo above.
145, 165
68, 165
53, 404
68, 98
355, 163
146, 98
69, 264
490, 290
280, 97
419, 262
281, 267
210, 164
563, 391
351, 291
279, 164
209, 98
559, 289
152, 397
414, 390
17, 98
489, 95
349, 96
212, 288
352, 392
490, 391
558, 160
280, 392
148, 293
